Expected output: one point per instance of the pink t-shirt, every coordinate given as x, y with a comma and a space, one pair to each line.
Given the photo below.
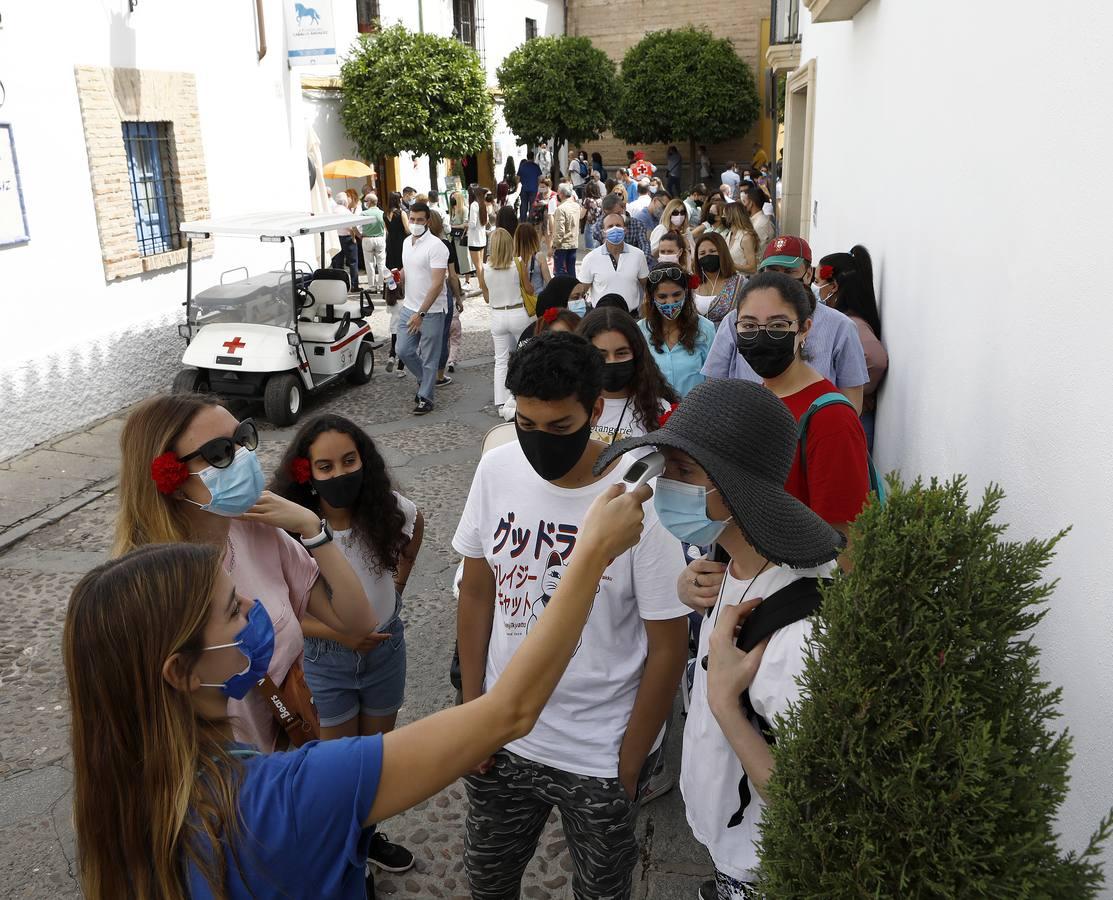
268, 565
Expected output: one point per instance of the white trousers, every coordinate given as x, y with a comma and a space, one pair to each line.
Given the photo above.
506, 327
374, 258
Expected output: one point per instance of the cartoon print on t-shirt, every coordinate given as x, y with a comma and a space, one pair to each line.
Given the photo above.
550, 580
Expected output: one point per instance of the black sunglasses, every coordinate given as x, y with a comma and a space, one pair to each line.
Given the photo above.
219, 452
672, 273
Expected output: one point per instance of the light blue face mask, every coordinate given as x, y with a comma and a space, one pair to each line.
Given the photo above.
616, 235
682, 509
236, 487
579, 307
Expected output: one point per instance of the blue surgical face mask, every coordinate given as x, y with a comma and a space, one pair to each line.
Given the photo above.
579, 307
256, 642
616, 235
235, 488
682, 509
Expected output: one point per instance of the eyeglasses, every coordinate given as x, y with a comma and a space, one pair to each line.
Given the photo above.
778, 329
672, 273
219, 452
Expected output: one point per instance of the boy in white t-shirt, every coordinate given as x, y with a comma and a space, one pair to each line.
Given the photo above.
597, 739
729, 447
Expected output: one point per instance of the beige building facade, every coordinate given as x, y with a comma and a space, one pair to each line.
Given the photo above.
614, 26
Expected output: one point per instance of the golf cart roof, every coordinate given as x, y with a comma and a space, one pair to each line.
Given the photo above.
269, 225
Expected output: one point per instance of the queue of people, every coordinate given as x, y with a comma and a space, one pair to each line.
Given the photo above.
245, 650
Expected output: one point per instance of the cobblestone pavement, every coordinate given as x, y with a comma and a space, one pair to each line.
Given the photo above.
56, 509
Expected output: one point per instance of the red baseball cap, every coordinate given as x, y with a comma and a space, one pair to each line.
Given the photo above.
788, 251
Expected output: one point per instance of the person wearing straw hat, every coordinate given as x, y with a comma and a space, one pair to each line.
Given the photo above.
725, 485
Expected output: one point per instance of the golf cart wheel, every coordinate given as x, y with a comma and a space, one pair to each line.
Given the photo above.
364, 366
283, 398
189, 381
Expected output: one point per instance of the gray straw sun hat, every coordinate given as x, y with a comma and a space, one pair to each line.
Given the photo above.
744, 437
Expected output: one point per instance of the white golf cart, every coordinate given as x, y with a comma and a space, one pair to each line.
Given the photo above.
276, 335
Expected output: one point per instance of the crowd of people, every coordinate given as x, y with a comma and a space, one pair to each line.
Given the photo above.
236, 670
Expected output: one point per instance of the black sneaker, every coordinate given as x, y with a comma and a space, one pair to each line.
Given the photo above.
387, 856
707, 890
444, 382
451, 368
423, 408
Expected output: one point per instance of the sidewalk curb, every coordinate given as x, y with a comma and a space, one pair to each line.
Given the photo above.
52, 514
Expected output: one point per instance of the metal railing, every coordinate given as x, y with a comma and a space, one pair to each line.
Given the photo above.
784, 18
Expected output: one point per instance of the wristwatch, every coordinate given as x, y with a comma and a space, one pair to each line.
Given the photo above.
320, 540
421, 314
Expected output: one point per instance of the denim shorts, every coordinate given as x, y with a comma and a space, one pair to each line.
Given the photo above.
346, 684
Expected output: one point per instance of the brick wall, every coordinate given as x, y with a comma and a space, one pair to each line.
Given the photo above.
616, 25
110, 97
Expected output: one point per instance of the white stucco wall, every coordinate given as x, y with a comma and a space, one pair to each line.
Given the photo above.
73, 347
972, 160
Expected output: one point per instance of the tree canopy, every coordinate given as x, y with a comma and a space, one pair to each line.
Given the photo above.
557, 87
417, 93
684, 85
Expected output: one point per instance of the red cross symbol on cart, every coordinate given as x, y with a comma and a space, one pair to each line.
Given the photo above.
234, 345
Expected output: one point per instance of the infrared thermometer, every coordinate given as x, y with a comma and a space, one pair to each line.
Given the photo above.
643, 470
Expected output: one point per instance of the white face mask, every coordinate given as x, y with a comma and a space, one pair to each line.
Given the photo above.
678, 219
417, 230
668, 257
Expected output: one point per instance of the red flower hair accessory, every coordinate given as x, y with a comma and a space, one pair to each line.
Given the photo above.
693, 282
168, 472
667, 414
550, 315
826, 272
300, 470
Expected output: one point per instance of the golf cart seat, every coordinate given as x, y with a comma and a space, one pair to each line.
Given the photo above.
329, 288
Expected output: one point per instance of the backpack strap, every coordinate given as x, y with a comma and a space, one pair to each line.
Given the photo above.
834, 398
790, 604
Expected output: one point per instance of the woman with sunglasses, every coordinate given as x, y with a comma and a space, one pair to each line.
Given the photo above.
188, 472
635, 393
679, 338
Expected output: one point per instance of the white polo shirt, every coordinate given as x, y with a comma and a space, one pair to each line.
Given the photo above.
419, 258
598, 269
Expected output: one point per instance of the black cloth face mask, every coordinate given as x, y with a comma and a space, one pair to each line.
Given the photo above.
553, 456
709, 263
768, 356
617, 375
342, 491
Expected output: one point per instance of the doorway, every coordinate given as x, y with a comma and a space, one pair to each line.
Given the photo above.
796, 182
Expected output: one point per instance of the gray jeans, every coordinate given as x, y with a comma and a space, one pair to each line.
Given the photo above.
507, 811
421, 352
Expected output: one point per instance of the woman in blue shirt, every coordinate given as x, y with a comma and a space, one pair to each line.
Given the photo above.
168, 805
679, 338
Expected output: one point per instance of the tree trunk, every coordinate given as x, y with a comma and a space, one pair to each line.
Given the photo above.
554, 174
434, 180
692, 161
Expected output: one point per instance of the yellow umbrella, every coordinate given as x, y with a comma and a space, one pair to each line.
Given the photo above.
347, 168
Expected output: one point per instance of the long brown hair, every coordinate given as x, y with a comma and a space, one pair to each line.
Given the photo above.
648, 387
479, 195
687, 321
154, 785
146, 516
526, 241
726, 263
736, 218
